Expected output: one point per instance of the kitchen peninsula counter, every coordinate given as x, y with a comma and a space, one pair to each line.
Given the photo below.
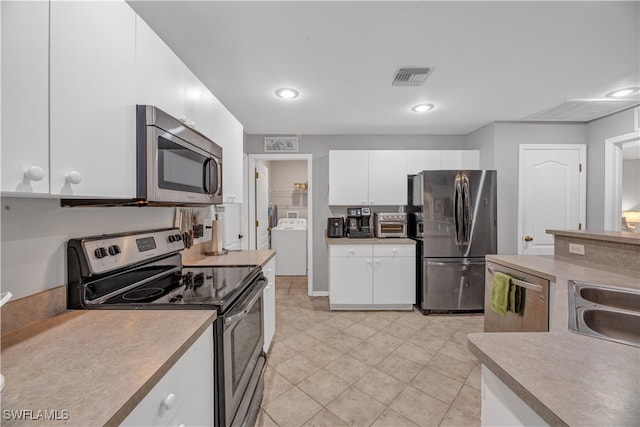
566, 378
95, 366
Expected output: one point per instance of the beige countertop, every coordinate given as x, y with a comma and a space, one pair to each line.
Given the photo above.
95, 364
372, 241
607, 236
566, 378
252, 257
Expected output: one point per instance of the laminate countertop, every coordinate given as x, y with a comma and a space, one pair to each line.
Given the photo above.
369, 241
93, 366
566, 378
249, 257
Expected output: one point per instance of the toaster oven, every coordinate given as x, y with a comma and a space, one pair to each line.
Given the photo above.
390, 224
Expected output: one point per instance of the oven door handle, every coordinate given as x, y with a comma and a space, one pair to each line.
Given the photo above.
244, 310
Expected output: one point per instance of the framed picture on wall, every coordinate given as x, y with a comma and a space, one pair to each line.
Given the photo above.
280, 144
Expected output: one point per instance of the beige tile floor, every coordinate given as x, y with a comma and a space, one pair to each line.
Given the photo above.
367, 368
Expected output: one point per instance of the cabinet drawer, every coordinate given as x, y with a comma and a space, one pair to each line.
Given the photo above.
394, 250
350, 250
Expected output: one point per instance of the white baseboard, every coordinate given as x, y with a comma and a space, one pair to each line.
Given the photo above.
320, 293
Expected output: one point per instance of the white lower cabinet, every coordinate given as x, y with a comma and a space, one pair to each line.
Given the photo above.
269, 298
500, 406
184, 396
378, 276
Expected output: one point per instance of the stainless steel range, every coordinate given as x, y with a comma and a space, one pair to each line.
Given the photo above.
143, 270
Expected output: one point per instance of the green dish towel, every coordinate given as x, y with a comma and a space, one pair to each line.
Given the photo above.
516, 299
500, 293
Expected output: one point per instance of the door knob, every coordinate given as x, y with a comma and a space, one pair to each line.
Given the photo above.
528, 238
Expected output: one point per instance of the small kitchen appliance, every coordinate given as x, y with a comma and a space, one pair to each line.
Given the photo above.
143, 270
390, 224
358, 223
175, 165
335, 227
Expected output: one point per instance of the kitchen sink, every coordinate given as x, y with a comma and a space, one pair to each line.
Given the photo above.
606, 312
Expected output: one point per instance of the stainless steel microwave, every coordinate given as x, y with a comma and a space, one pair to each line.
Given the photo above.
176, 165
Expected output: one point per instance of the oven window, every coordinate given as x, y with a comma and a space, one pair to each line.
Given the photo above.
397, 228
245, 337
181, 169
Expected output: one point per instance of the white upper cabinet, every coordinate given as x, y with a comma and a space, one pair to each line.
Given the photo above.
460, 159
349, 177
198, 106
423, 160
361, 177
160, 75
25, 97
387, 177
92, 99
165, 81
229, 134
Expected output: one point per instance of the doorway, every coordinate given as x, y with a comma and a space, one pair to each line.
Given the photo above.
551, 194
613, 178
286, 193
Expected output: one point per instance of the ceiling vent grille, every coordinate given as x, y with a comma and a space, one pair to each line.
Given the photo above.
582, 110
411, 76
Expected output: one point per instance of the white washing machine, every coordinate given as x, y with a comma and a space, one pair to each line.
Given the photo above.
289, 240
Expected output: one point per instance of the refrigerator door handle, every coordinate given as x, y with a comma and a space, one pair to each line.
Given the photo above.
466, 211
457, 210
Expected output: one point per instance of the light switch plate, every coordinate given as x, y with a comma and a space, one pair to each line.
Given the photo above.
576, 249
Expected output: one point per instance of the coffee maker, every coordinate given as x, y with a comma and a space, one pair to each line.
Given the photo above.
358, 223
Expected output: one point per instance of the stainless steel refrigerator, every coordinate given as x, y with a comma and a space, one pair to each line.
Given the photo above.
452, 215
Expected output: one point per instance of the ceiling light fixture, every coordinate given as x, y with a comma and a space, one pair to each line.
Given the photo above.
422, 108
621, 93
287, 93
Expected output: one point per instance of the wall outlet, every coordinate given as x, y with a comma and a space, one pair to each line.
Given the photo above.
576, 249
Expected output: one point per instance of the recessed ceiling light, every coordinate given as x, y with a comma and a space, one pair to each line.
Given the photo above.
422, 108
287, 93
621, 93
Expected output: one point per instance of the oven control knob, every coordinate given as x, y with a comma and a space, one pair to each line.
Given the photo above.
114, 250
100, 253
178, 237
169, 401
172, 238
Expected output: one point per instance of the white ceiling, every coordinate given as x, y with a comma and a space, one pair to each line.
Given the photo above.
495, 61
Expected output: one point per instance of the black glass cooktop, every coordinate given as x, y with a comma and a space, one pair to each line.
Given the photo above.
188, 287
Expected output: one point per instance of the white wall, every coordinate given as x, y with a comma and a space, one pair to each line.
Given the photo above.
631, 185
318, 146
597, 132
282, 176
35, 233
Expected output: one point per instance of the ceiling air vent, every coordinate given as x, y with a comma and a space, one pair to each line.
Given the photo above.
411, 76
582, 110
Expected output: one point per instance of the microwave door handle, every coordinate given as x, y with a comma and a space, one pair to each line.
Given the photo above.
206, 170
218, 191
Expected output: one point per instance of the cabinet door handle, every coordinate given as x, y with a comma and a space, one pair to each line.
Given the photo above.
74, 177
34, 173
168, 401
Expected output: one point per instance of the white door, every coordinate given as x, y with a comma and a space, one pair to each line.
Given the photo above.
551, 194
262, 205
